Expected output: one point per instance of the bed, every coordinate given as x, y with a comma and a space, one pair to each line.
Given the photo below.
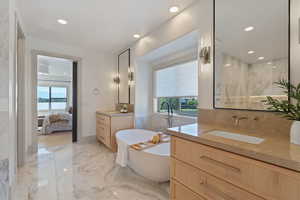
57, 123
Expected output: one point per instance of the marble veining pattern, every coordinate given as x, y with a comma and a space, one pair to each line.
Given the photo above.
4, 179
4, 54
4, 82
83, 171
243, 86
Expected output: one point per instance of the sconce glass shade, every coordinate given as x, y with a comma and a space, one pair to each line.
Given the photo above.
117, 80
130, 76
205, 55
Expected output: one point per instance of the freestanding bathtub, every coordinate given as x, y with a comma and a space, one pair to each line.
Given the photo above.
152, 163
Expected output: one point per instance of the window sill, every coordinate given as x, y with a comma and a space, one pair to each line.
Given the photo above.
177, 115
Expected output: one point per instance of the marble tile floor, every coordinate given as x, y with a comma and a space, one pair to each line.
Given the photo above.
55, 139
82, 171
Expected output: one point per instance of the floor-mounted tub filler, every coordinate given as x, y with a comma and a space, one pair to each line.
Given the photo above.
152, 163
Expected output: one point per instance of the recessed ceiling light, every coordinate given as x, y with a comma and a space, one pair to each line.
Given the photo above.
251, 52
249, 28
261, 58
137, 36
269, 63
174, 9
62, 21
274, 67
228, 65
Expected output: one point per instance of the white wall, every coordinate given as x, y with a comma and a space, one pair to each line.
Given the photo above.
295, 40
8, 141
4, 96
198, 18
95, 72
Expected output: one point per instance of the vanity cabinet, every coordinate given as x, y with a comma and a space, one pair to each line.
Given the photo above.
216, 174
108, 124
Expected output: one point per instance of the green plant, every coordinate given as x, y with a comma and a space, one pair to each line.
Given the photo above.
288, 109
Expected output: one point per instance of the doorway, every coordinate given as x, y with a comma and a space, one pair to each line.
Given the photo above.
56, 92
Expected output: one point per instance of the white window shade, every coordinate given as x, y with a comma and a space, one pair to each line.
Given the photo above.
177, 81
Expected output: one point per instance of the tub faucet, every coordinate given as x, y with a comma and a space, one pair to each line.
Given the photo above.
238, 119
168, 107
170, 113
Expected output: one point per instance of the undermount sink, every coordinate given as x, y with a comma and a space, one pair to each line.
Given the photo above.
238, 137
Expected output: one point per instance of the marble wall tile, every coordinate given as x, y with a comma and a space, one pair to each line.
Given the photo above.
4, 179
244, 86
4, 64
4, 96
259, 122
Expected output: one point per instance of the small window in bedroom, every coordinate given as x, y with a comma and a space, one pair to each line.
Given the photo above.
43, 98
58, 98
52, 98
178, 85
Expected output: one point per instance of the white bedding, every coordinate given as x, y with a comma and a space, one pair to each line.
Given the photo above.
65, 125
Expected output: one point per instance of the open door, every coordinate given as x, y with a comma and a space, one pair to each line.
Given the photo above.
75, 101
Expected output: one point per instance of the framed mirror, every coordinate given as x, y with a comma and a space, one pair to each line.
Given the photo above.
124, 77
251, 52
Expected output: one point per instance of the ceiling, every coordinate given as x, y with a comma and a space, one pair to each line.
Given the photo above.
187, 43
269, 39
100, 25
53, 68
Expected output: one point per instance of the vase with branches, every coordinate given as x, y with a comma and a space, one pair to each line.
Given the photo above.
289, 109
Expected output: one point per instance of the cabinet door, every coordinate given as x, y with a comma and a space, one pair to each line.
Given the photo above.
206, 185
268, 181
103, 129
180, 192
100, 133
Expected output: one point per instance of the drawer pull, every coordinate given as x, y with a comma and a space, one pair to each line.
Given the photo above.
100, 136
220, 164
219, 193
202, 181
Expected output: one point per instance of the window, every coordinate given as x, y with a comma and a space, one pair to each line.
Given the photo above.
181, 105
178, 85
58, 98
43, 98
52, 98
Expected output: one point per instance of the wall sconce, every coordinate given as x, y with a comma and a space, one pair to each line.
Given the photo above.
117, 80
130, 76
299, 29
205, 55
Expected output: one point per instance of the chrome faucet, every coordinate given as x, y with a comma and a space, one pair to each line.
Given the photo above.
238, 119
170, 113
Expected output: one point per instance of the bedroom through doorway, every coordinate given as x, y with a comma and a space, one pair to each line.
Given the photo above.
56, 101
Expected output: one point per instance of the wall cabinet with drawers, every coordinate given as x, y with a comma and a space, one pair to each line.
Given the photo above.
202, 172
107, 125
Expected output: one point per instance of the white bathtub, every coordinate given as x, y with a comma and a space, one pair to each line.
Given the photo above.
152, 163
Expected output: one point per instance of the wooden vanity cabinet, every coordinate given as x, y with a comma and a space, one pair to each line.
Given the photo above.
108, 125
216, 174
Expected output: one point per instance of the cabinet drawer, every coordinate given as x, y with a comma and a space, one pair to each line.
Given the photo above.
208, 186
103, 134
268, 181
102, 119
181, 192
100, 132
